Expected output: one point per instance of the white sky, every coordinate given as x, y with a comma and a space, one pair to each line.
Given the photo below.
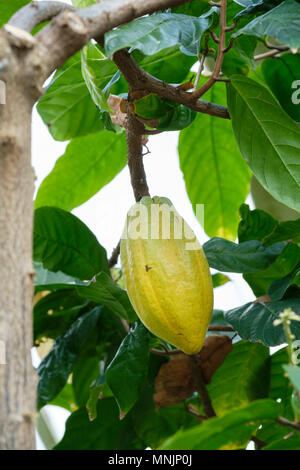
105, 213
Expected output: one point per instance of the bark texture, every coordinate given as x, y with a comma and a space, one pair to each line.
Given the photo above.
17, 376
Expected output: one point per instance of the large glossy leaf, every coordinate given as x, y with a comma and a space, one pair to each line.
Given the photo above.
128, 370
169, 65
254, 321
259, 225
246, 257
67, 107
280, 390
154, 33
103, 291
217, 432
286, 262
280, 74
106, 432
268, 138
54, 313
56, 367
49, 280
63, 243
8, 8
88, 164
282, 23
242, 378
212, 166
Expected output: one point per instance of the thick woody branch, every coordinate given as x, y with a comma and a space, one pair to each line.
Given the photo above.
135, 131
35, 13
70, 31
139, 79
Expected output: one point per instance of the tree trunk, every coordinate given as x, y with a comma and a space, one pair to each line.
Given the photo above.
17, 376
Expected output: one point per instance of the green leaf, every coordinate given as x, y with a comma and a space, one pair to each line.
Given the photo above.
243, 377
287, 443
254, 321
67, 107
217, 432
286, 262
54, 313
48, 280
246, 257
282, 23
218, 318
169, 65
212, 165
234, 64
280, 74
88, 164
272, 148
91, 80
280, 390
128, 370
103, 291
56, 367
293, 373
8, 8
177, 118
154, 425
255, 225
219, 280
151, 106
85, 371
279, 287
259, 225
154, 33
63, 243
65, 399
106, 432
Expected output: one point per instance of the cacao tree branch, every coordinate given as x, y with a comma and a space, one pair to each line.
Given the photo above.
135, 130
114, 256
139, 79
35, 13
91, 22
201, 387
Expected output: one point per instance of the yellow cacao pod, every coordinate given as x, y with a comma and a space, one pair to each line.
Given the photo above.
166, 274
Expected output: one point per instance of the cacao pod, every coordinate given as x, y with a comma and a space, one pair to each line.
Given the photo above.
166, 274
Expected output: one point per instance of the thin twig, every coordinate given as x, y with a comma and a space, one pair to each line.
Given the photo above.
271, 53
190, 409
201, 62
285, 422
219, 61
114, 256
201, 387
220, 328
